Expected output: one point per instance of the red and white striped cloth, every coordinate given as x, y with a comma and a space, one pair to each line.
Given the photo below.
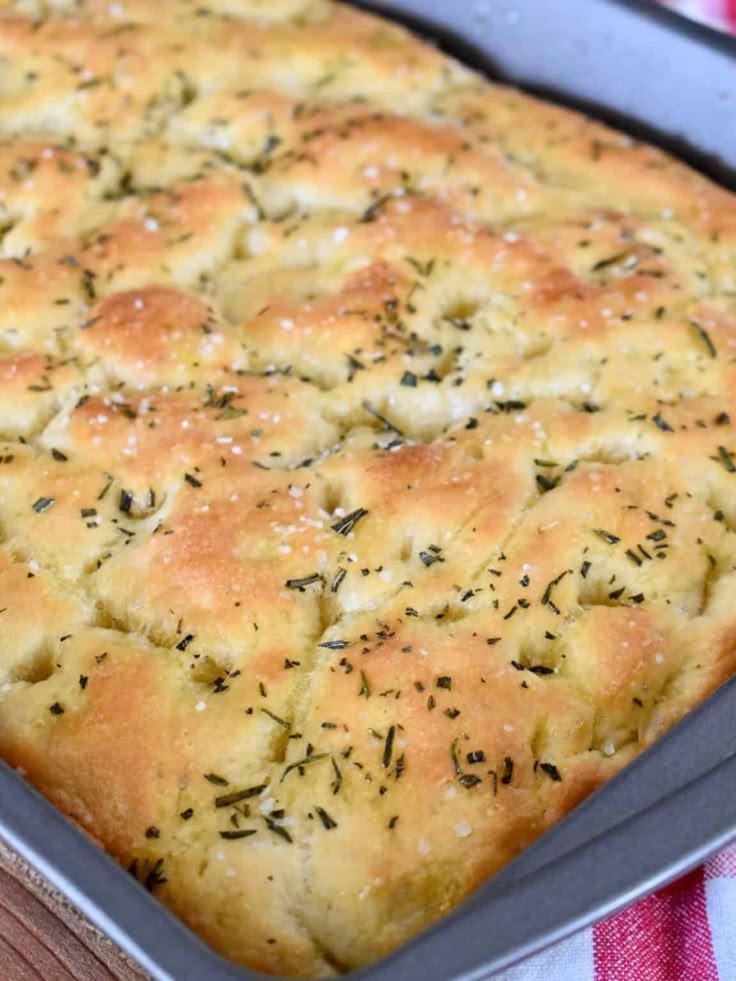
717, 13
686, 932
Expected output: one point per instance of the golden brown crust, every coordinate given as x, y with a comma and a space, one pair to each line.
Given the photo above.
366, 459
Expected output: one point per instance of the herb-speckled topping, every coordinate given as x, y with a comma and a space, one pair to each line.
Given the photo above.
367, 464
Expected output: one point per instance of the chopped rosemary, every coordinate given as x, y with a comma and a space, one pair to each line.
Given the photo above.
551, 770
662, 424
155, 876
305, 761
345, 525
545, 483
328, 822
547, 594
610, 260
606, 536
217, 780
386, 423
388, 748
469, 780
278, 829
726, 458
303, 581
371, 212
279, 721
225, 800
705, 337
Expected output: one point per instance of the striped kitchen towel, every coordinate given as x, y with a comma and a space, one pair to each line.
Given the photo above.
717, 13
686, 932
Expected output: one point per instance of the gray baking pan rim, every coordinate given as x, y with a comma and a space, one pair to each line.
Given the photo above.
673, 82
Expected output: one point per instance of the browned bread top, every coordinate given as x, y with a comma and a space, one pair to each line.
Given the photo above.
367, 459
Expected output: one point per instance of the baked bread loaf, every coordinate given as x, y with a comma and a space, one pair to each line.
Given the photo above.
367, 459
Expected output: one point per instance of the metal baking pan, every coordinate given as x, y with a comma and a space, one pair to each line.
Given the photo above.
659, 77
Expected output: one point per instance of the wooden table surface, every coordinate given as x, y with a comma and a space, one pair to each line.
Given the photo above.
44, 938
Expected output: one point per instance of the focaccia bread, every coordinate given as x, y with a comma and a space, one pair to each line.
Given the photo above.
367, 459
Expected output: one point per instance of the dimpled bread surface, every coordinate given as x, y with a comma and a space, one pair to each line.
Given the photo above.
367, 459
